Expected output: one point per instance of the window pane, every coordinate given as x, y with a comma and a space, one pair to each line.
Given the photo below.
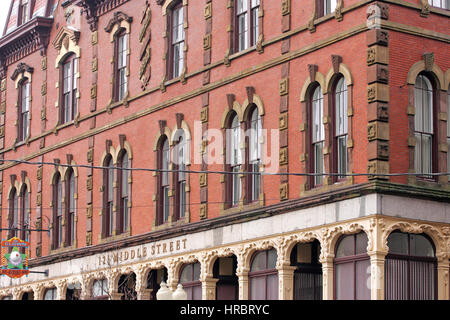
255, 25
398, 243
243, 32
420, 246
259, 262
363, 284
361, 243
342, 155
318, 162
346, 247
186, 274
272, 287
257, 288
166, 203
242, 6
344, 281
196, 267
422, 280
396, 277
271, 259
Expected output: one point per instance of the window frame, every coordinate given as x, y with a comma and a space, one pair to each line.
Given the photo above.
314, 181
252, 23
444, 4
70, 210
108, 199
170, 38
180, 179
57, 193
162, 185
123, 199
262, 273
23, 12
24, 218
192, 283
435, 131
252, 126
23, 121
408, 258
349, 259
14, 213
233, 146
334, 127
119, 95
72, 106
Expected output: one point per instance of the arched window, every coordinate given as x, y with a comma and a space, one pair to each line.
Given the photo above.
120, 64
234, 160
50, 294
410, 268
108, 196
190, 279
57, 212
69, 70
180, 177
24, 214
340, 132
14, 213
263, 276
100, 289
317, 135
424, 126
123, 192
163, 180
308, 275
254, 155
24, 109
247, 23
70, 206
444, 4
176, 40
352, 268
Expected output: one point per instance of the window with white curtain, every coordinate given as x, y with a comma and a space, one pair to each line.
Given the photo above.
444, 4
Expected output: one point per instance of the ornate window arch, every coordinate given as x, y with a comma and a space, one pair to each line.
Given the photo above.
190, 280
263, 275
22, 78
352, 268
410, 267
69, 52
119, 28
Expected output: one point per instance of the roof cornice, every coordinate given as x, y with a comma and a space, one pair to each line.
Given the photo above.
26, 39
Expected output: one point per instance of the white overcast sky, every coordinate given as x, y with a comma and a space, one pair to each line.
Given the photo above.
4, 8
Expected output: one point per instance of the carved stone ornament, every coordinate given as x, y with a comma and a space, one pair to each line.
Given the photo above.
20, 69
117, 19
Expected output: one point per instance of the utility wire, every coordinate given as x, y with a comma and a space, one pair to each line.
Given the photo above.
228, 172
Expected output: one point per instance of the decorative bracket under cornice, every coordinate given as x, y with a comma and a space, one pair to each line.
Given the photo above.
96, 8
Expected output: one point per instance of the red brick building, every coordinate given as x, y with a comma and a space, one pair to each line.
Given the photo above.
332, 89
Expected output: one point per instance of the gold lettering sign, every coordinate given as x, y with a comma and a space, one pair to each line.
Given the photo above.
147, 250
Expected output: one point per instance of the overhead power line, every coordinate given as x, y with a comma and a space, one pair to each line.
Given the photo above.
42, 163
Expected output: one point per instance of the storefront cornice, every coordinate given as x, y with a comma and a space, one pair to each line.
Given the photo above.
348, 192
